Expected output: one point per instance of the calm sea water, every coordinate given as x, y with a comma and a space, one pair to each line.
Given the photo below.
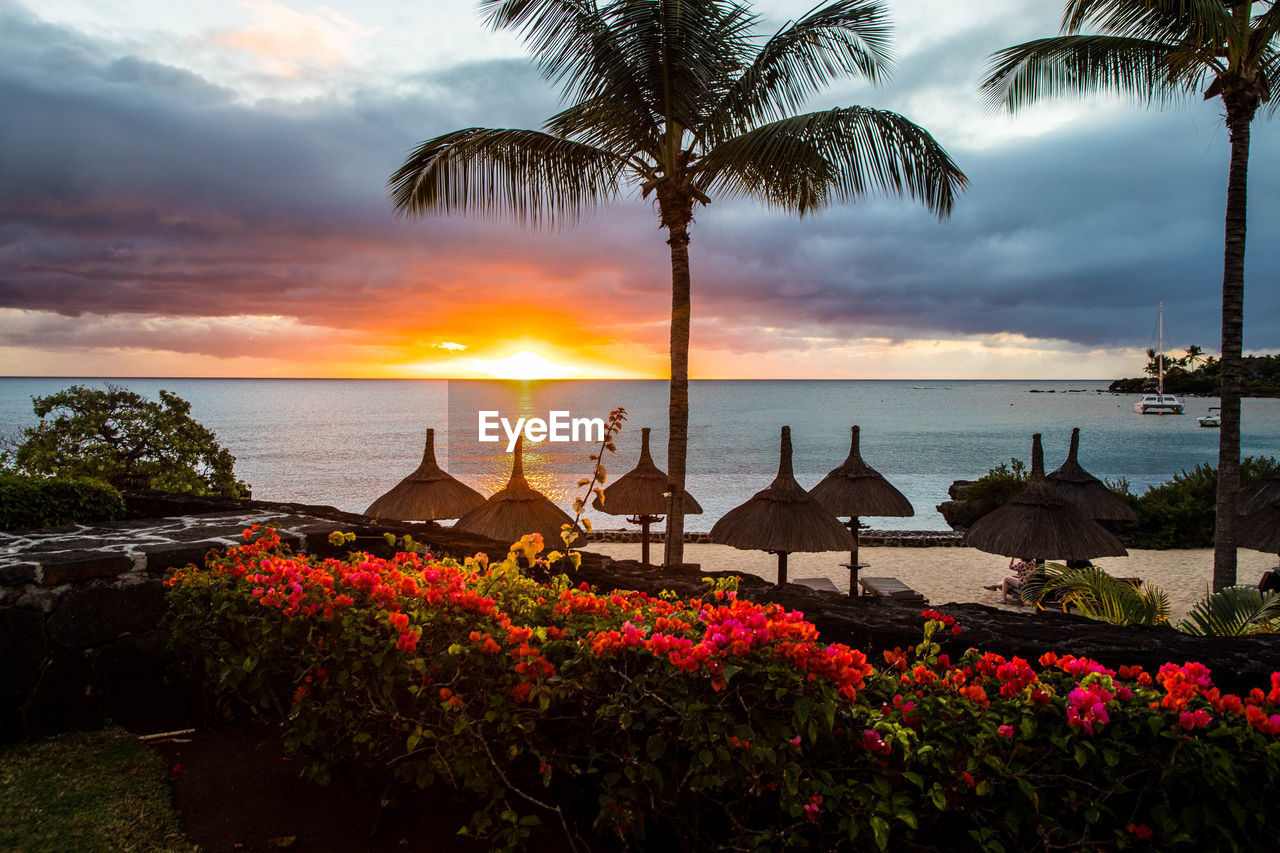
345, 442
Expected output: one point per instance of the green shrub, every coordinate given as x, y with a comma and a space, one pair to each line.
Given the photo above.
47, 502
995, 488
127, 440
1180, 513
714, 723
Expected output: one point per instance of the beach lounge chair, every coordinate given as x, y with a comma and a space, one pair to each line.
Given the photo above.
890, 588
821, 584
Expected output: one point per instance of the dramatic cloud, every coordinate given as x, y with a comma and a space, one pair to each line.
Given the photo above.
153, 200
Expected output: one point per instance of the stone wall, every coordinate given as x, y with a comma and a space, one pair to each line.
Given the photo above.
82, 611
82, 608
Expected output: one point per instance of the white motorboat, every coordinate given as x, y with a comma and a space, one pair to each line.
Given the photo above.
1213, 420
1159, 403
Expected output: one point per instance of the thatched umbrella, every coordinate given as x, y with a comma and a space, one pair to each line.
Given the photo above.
781, 519
1086, 492
427, 494
1258, 494
516, 510
641, 493
856, 489
1259, 529
1040, 524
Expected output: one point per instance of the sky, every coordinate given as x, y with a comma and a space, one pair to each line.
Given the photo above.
199, 189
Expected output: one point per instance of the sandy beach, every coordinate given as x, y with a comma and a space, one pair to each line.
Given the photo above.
959, 574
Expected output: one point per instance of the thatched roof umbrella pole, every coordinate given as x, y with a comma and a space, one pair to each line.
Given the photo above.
516, 510
856, 489
1086, 492
1040, 524
781, 519
427, 494
642, 493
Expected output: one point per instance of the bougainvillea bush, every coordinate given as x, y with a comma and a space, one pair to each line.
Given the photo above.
651, 722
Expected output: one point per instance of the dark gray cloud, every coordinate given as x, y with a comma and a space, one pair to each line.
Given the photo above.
130, 186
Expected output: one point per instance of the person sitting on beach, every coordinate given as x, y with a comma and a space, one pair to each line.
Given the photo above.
1020, 570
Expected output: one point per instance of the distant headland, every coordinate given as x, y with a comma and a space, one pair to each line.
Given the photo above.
1198, 375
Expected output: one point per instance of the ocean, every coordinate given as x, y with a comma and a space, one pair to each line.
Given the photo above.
343, 442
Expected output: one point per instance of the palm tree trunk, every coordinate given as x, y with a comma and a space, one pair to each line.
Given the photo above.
1239, 117
678, 414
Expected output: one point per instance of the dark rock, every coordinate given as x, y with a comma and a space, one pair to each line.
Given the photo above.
64, 543
67, 566
92, 615
958, 490
162, 558
23, 650
137, 686
16, 574
63, 700
960, 515
202, 532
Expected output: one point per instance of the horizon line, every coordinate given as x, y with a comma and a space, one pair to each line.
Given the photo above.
579, 378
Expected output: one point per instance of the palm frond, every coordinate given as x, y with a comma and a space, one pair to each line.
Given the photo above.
685, 53
1265, 39
1019, 76
608, 123
1267, 25
1200, 22
810, 160
575, 46
1269, 70
1097, 595
1232, 612
534, 177
845, 37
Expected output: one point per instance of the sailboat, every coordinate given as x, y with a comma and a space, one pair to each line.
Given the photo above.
1159, 403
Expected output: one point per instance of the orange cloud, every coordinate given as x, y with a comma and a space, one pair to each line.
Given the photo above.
288, 42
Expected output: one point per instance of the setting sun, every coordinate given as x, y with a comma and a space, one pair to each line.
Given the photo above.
523, 365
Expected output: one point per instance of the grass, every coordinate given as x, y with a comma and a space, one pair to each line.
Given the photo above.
86, 791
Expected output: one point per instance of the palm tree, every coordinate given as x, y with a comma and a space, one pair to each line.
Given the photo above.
1194, 354
1156, 362
1157, 51
675, 97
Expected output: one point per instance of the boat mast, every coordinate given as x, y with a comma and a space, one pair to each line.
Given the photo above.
1160, 357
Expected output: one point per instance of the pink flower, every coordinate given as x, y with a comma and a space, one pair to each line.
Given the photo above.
812, 808
1005, 731
873, 743
1197, 719
1087, 705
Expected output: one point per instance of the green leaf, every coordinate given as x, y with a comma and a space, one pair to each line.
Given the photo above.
1029, 792
939, 798
880, 828
655, 746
